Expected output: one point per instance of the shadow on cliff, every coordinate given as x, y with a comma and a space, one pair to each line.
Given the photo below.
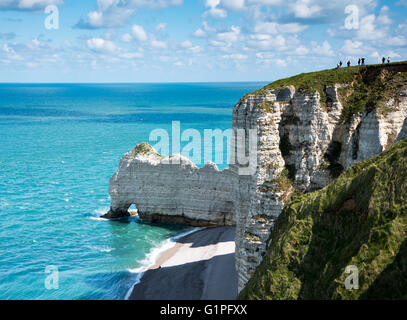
337, 236
212, 279
384, 287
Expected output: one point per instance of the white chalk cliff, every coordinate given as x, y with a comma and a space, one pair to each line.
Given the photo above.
171, 189
300, 136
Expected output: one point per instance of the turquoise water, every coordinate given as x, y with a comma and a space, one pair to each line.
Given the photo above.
59, 146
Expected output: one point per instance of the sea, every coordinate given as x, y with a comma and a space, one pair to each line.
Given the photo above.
59, 145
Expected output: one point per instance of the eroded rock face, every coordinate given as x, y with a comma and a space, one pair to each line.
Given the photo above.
310, 141
171, 190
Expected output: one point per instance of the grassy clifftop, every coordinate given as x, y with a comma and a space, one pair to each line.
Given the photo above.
365, 87
360, 219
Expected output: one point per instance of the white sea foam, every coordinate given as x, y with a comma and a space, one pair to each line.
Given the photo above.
101, 211
97, 219
152, 257
96, 214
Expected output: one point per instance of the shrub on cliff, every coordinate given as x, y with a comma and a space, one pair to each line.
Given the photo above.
360, 219
143, 149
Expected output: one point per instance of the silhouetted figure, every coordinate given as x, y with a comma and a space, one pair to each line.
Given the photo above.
348, 64
340, 64
384, 60
363, 61
359, 62
388, 60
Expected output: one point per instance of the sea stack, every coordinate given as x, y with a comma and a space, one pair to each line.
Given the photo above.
171, 190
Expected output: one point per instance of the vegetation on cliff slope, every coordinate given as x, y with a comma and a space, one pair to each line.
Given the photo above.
365, 87
360, 219
143, 149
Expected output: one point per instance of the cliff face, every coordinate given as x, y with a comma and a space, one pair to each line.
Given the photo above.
307, 139
310, 128
171, 189
359, 220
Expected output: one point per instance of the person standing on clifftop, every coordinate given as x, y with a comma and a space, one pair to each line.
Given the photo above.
363, 61
384, 60
348, 64
388, 60
359, 62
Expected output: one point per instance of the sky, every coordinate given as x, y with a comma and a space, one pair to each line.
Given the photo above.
74, 41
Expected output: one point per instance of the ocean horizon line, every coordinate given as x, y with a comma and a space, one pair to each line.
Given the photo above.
113, 83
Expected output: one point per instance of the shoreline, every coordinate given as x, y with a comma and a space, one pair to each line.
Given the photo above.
200, 265
154, 255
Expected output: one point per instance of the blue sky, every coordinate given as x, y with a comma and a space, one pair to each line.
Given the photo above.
193, 40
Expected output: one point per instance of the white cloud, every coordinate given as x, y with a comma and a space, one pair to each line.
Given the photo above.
275, 28
367, 29
302, 51
213, 10
161, 26
116, 13
199, 33
271, 59
305, 9
390, 54
353, 47
195, 49
281, 63
186, 44
266, 2
397, 41
126, 37
27, 4
230, 36
10, 53
158, 44
101, 45
323, 50
139, 33
267, 42
179, 64
383, 17
236, 56
131, 55
208, 28
217, 43
233, 5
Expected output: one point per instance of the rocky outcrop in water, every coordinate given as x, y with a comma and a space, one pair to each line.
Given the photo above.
171, 190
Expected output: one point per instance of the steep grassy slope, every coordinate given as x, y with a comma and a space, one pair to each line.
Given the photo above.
360, 219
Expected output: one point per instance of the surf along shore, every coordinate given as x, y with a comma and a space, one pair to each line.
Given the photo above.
201, 266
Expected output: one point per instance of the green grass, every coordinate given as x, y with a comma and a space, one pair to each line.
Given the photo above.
143, 149
266, 106
360, 219
368, 87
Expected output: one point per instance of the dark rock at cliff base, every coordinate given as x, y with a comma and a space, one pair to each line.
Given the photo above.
179, 219
116, 214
